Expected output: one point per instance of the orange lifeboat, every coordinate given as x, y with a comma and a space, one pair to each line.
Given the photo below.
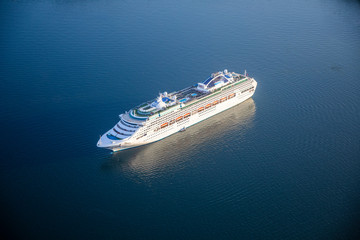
215, 102
187, 115
200, 109
179, 118
231, 95
223, 99
164, 125
207, 106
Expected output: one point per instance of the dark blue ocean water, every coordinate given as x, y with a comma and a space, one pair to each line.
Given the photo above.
282, 165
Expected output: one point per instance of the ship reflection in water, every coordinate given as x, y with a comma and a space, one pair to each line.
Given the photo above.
181, 150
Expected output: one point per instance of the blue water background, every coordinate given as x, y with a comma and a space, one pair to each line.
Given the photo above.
283, 165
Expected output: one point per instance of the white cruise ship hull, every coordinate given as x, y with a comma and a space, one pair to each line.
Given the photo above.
192, 120
170, 113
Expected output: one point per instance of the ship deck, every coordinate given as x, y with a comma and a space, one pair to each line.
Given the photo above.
185, 97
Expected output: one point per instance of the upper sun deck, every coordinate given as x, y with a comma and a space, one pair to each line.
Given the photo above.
168, 102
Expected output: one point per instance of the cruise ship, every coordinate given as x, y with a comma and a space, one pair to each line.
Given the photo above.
170, 113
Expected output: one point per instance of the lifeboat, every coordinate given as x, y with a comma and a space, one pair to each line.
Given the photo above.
231, 95
179, 118
164, 125
215, 102
200, 109
187, 115
223, 99
207, 106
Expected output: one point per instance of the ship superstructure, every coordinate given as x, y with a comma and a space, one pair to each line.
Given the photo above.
173, 112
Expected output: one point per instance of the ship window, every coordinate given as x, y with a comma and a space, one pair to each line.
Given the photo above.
126, 130
127, 124
112, 137
116, 131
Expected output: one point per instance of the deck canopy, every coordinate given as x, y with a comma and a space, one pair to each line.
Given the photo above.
215, 81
